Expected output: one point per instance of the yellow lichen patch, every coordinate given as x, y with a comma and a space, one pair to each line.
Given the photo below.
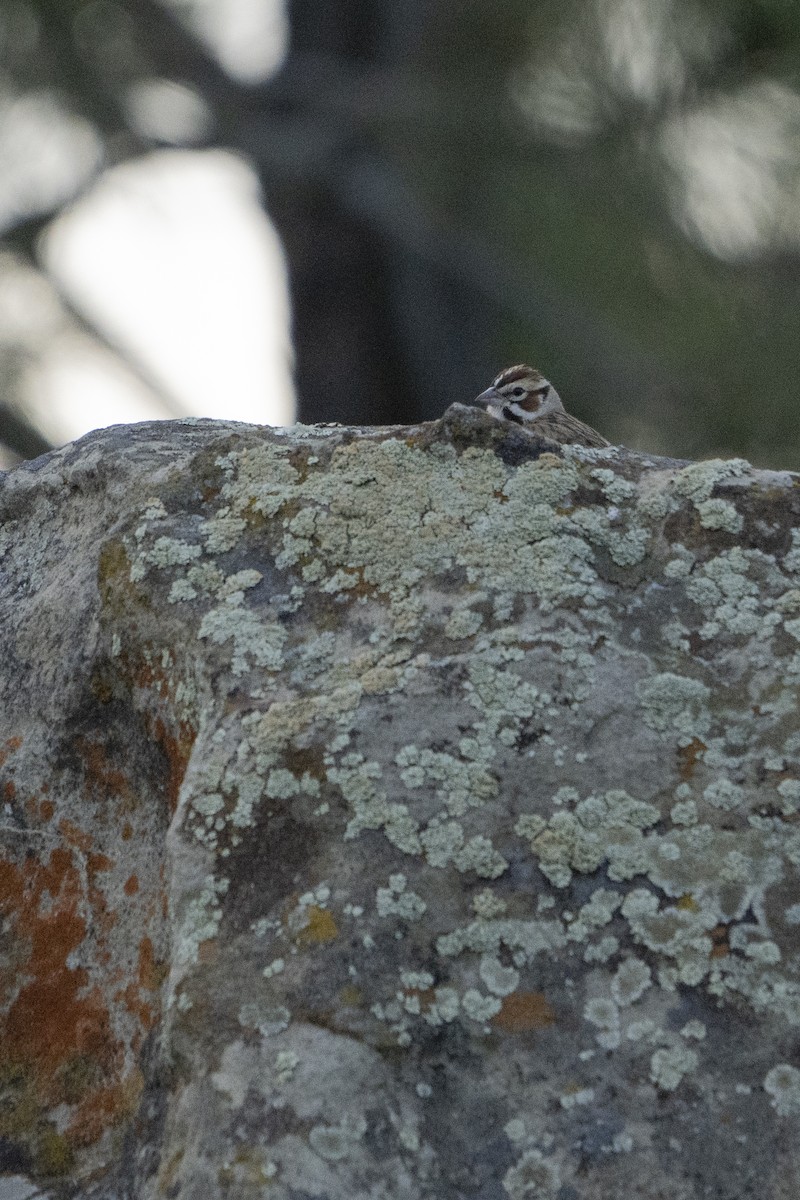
114, 565
53, 1154
320, 927
351, 996
523, 1011
688, 903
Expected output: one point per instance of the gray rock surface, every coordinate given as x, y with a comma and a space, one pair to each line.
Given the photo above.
397, 814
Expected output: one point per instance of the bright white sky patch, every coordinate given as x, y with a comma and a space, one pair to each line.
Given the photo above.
737, 163
77, 386
173, 258
46, 153
249, 38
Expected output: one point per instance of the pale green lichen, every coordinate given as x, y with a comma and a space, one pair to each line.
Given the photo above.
200, 919
696, 482
286, 1063
684, 812
396, 901
355, 521
669, 1066
515, 1130
601, 829
603, 1013
459, 785
675, 702
529, 937
680, 934
720, 514
164, 552
463, 623
222, 531
268, 1019
533, 1177
632, 979
181, 590
724, 794
617, 489
479, 1007
577, 1099
500, 980
486, 905
419, 980
782, 1085
255, 642
336, 1142
383, 530
601, 951
597, 912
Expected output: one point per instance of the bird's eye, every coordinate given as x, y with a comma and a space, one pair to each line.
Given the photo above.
518, 391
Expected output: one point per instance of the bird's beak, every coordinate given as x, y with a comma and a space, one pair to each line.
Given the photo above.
486, 398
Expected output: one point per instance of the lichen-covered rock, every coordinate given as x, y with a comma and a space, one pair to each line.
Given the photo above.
403, 814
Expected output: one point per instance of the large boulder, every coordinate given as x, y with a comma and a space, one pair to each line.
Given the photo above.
397, 814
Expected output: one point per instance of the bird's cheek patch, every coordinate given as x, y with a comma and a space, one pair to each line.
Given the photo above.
530, 403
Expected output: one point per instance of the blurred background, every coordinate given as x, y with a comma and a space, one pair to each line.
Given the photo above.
360, 210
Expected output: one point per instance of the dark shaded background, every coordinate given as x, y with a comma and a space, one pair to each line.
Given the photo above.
607, 188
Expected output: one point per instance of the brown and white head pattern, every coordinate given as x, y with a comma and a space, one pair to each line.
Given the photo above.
520, 394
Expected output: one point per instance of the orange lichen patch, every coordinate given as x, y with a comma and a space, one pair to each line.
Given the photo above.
39, 810
719, 936
150, 976
104, 1107
688, 757
152, 972
11, 744
101, 775
103, 917
144, 1013
425, 996
208, 951
73, 835
522, 1011
150, 678
177, 747
127, 832
52, 1017
95, 863
9, 789
320, 926
131, 885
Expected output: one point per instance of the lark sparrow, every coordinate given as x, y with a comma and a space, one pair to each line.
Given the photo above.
522, 395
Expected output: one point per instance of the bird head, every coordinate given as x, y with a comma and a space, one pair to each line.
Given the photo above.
520, 394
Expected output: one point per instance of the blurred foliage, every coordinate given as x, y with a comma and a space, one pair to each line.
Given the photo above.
607, 188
